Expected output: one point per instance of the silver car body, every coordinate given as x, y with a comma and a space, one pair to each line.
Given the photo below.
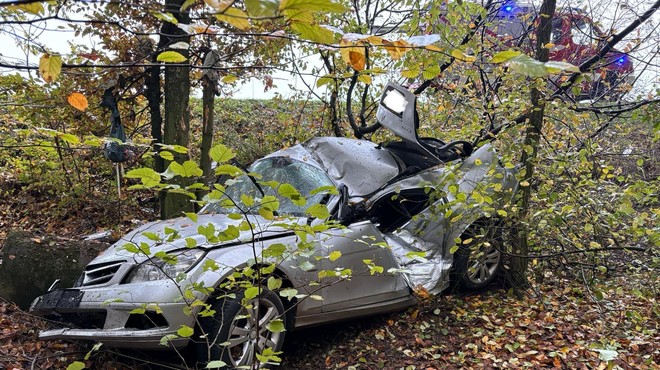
373, 176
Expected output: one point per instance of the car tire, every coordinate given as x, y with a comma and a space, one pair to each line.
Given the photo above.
235, 324
478, 262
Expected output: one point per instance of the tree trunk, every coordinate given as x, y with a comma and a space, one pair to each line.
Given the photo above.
517, 276
153, 98
208, 99
177, 116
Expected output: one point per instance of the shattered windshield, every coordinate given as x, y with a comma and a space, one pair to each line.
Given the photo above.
290, 181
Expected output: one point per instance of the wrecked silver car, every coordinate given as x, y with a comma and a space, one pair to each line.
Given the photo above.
415, 213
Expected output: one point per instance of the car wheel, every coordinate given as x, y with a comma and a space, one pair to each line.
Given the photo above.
478, 260
237, 333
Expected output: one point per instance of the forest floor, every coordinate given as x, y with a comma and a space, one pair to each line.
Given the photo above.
610, 321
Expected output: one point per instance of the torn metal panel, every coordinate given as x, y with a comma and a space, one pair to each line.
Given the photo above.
420, 262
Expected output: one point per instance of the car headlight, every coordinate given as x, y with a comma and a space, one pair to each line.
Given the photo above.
169, 266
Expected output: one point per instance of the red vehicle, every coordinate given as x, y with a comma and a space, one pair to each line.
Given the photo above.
575, 38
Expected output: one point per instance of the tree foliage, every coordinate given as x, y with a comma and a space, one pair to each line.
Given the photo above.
589, 168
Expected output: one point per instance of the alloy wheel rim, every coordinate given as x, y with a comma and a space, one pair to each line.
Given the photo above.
249, 335
483, 267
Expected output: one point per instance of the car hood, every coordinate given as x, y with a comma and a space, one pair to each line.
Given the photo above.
187, 229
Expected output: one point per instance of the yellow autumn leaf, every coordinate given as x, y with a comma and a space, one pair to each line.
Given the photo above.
353, 55
171, 57
397, 48
433, 48
78, 101
375, 40
366, 79
50, 67
462, 56
228, 79
236, 17
35, 8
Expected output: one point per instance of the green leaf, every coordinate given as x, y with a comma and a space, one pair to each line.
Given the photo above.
270, 203
207, 230
210, 264
274, 283
274, 250
262, 8
288, 191
143, 173
229, 79
164, 341
185, 331
313, 32
216, 364
167, 17
191, 243
527, 66
247, 200
95, 348
312, 6
276, 326
289, 293
187, 169
192, 216
325, 80
168, 156
151, 236
251, 293
319, 211
76, 365
171, 57
266, 214
416, 255
334, 255
69, 138
328, 189
230, 233
221, 153
504, 56
431, 72
410, 73
228, 169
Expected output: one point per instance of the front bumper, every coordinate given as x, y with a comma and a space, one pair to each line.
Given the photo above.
120, 338
119, 316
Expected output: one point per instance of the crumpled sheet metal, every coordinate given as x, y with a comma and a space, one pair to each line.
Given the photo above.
360, 165
429, 272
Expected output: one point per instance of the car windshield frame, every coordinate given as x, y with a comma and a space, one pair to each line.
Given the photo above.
271, 173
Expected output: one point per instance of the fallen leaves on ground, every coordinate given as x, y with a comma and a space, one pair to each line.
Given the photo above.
559, 326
